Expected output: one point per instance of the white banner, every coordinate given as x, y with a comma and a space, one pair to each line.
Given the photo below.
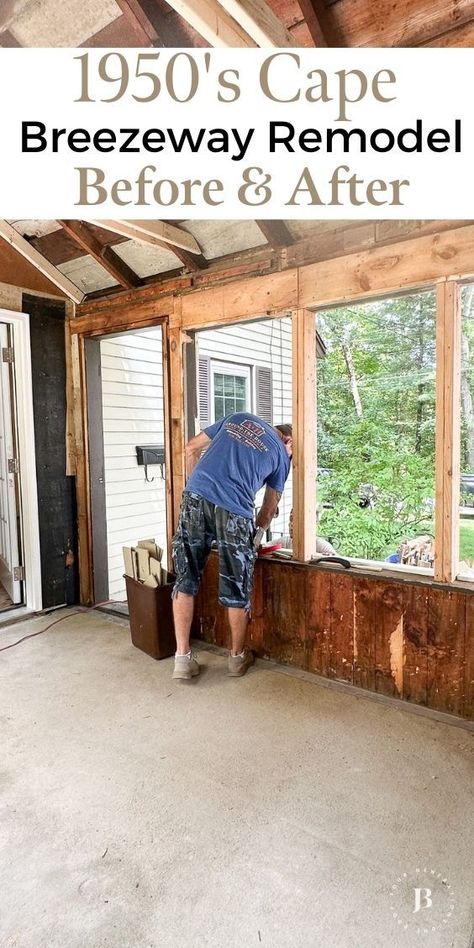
237, 133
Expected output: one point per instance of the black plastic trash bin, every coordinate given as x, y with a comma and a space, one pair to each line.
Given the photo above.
151, 617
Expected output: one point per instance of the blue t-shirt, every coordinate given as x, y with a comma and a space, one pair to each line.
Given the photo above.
244, 454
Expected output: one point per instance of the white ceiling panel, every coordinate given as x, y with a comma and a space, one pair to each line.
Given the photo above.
66, 23
217, 238
87, 274
145, 259
35, 228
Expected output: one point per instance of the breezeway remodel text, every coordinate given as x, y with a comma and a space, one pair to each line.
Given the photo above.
37, 137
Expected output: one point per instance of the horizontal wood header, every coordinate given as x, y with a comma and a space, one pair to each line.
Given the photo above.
412, 263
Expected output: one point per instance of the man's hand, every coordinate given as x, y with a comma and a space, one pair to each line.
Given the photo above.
269, 508
259, 535
194, 449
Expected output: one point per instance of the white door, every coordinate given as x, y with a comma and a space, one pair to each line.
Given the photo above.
9, 545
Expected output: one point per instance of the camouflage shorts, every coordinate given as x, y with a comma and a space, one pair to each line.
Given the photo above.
200, 524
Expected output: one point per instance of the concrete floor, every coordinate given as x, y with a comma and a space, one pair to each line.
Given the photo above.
138, 812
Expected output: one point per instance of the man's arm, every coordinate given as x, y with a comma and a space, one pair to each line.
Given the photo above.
269, 507
194, 449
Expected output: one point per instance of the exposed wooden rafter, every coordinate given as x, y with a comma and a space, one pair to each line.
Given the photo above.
134, 11
316, 19
152, 232
210, 19
276, 233
12, 237
84, 236
192, 261
448, 421
259, 21
304, 433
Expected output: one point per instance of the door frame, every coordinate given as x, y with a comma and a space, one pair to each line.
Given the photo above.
90, 358
20, 323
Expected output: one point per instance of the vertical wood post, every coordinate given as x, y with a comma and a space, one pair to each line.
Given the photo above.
176, 340
304, 433
448, 411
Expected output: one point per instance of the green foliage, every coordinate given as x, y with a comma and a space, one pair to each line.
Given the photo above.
397, 484
376, 423
466, 551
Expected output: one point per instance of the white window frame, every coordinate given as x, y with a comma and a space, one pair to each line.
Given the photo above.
20, 323
234, 369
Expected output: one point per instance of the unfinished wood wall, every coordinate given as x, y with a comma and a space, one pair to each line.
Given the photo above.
405, 640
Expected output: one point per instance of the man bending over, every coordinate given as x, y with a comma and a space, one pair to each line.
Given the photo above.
242, 453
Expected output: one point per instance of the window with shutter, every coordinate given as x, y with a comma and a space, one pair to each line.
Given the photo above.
204, 389
264, 393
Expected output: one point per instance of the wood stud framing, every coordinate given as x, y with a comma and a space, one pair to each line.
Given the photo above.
211, 21
304, 433
152, 232
258, 19
84, 236
134, 11
315, 15
415, 263
12, 237
448, 406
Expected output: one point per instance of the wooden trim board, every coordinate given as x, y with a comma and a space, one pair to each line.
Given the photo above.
392, 268
448, 410
304, 433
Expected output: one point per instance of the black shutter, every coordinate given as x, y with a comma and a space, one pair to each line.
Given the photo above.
264, 391
204, 390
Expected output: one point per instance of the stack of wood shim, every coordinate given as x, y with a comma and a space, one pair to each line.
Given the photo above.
143, 562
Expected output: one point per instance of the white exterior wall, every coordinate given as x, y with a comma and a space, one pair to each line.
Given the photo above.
266, 343
132, 402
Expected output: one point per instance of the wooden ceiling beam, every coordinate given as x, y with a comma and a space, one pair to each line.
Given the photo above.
139, 20
210, 19
12, 237
259, 21
276, 233
84, 236
191, 261
385, 23
316, 19
152, 232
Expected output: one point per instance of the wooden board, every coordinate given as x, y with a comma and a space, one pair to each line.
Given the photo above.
341, 643
448, 410
304, 433
446, 650
405, 640
16, 271
176, 405
364, 633
318, 623
388, 631
281, 285
468, 688
406, 23
285, 616
415, 644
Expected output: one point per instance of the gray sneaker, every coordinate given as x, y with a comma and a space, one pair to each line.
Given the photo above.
185, 666
239, 664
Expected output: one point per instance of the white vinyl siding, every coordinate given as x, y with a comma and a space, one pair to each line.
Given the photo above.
132, 402
265, 344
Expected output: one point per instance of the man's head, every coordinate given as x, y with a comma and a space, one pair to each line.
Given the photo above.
285, 432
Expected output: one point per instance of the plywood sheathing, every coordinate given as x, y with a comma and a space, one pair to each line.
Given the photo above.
388, 636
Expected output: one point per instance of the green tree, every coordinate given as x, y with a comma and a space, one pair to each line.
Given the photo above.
376, 422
